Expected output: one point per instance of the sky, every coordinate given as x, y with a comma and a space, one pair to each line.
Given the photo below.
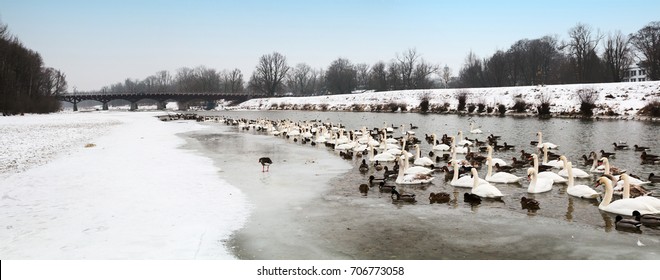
98, 43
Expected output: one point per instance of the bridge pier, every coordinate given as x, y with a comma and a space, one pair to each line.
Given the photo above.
134, 106
75, 106
105, 106
160, 105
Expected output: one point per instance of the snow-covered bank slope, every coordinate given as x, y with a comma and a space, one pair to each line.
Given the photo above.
622, 98
133, 195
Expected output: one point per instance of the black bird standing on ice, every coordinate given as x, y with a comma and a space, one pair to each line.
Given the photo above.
265, 162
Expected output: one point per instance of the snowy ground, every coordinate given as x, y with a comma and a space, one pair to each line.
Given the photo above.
624, 99
131, 195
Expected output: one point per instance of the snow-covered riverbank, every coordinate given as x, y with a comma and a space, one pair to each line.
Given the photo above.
110, 185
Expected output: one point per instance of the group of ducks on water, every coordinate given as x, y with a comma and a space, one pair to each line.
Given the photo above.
379, 147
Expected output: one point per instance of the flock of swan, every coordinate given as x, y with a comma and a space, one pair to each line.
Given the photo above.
400, 150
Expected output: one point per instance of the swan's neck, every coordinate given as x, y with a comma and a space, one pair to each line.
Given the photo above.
371, 153
455, 171
475, 183
536, 163
490, 168
545, 154
594, 164
532, 183
540, 138
571, 180
607, 198
402, 169
417, 152
607, 166
626, 187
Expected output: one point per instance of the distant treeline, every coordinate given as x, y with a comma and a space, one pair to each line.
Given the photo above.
26, 86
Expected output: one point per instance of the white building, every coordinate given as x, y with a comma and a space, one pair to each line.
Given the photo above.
634, 74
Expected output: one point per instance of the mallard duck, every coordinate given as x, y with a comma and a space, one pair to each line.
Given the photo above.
373, 180
385, 188
631, 225
620, 146
607, 154
653, 178
529, 203
472, 199
364, 167
640, 148
364, 188
649, 220
441, 197
265, 163
406, 197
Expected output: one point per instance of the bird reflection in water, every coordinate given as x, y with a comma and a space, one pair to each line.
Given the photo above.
609, 222
569, 209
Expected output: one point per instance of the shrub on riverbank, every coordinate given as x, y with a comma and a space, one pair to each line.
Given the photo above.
588, 97
461, 95
652, 109
520, 106
544, 107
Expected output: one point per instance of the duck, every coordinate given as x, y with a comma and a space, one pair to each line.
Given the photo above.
536, 184
406, 197
603, 153
577, 173
517, 163
484, 190
500, 177
364, 188
499, 168
547, 174
411, 179
441, 197
529, 203
640, 148
472, 199
622, 206
653, 178
465, 181
364, 167
373, 180
378, 166
581, 191
620, 146
622, 224
541, 143
413, 126
649, 157
648, 220
587, 161
423, 161
385, 188
387, 173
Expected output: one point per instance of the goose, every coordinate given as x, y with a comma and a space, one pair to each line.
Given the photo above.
484, 190
648, 220
627, 224
423, 161
529, 203
265, 163
441, 197
384, 157
474, 130
364, 167
499, 161
622, 206
536, 184
577, 173
411, 179
581, 191
500, 177
541, 143
630, 190
465, 181
547, 174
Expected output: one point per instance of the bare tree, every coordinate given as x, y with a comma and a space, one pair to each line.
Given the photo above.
341, 76
378, 77
362, 75
299, 79
232, 81
446, 75
582, 48
617, 56
647, 42
270, 72
422, 75
406, 66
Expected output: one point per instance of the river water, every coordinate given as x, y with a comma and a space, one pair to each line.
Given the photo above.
308, 206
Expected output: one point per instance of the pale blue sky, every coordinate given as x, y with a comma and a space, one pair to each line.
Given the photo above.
98, 43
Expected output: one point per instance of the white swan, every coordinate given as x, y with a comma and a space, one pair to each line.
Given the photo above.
536, 184
577, 173
557, 163
440, 147
462, 141
652, 201
474, 130
582, 191
608, 169
415, 169
622, 206
483, 190
595, 168
465, 181
423, 161
540, 144
500, 177
382, 157
411, 179
499, 161
547, 174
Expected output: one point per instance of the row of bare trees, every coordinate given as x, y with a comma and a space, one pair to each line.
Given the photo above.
26, 85
198, 79
587, 57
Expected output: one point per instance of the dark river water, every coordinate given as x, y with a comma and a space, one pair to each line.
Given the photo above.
347, 225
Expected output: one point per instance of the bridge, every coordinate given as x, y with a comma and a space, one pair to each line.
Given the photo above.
160, 97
